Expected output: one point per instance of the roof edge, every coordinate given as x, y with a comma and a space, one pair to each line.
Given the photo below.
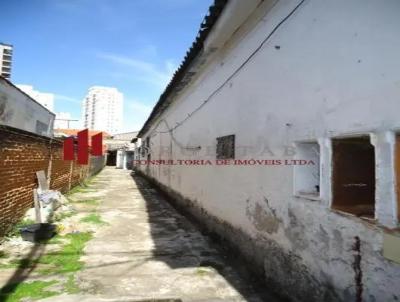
27, 95
214, 12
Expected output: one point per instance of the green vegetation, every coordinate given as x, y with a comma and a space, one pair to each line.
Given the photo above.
20, 263
64, 262
63, 215
92, 202
35, 290
15, 230
67, 259
71, 287
93, 218
81, 188
57, 239
202, 271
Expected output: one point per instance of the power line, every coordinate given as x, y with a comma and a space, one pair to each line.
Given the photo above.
266, 39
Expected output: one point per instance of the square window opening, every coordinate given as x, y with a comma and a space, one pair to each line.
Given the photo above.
307, 177
353, 176
226, 147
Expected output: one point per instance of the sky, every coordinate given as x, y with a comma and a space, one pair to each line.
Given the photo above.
66, 46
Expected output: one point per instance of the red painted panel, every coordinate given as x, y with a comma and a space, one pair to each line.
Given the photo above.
68, 148
83, 147
97, 144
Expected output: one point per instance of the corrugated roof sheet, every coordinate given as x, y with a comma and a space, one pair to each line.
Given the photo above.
214, 12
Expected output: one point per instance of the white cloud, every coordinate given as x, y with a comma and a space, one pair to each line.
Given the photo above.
142, 70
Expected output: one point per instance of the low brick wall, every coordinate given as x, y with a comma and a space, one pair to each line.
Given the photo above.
21, 155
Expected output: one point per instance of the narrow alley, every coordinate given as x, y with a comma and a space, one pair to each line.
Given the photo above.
149, 252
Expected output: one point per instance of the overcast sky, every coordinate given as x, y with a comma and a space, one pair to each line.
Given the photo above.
66, 46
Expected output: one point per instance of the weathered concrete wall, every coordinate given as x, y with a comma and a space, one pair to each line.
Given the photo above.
327, 72
22, 154
19, 110
96, 164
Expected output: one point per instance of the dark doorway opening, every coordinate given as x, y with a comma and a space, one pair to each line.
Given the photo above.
354, 176
112, 158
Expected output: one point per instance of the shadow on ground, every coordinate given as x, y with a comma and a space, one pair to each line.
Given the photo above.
180, 244
23, 270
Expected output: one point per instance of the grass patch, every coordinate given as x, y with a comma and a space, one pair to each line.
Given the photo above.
35, 290
71, 287
67, 259
57, 239
61, 216
92, 202
93, 218
21, 263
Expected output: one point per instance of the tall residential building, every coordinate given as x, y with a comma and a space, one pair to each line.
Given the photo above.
44, 98
5, 60
102, 109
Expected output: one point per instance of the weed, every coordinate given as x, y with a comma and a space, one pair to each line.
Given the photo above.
3, 255
93, 218
81, 188
67, 259
57, 239
71, 287
62, 216
35, 290
201, 271
92, 202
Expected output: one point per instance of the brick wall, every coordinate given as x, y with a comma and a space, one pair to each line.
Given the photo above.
21, 155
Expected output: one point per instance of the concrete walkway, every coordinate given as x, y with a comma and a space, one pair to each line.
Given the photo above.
149, 252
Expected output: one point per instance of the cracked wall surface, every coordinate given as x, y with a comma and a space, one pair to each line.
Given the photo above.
329, 78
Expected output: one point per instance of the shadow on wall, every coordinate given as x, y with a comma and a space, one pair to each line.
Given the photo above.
179, 244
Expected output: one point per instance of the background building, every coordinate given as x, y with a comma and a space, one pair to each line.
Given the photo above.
102, 109
44, 98
21, 111
5, 60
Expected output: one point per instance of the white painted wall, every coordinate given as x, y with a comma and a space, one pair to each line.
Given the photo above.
20, 111
120, 159
336, 73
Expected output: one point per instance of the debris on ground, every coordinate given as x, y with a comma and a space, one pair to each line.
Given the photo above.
48, 267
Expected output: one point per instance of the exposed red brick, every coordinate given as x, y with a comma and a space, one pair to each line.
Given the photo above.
22, 154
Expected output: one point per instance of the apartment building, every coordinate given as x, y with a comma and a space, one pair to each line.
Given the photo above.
103, 109
6, 51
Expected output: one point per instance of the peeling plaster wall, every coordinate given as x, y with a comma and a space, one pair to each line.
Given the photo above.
334, 74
